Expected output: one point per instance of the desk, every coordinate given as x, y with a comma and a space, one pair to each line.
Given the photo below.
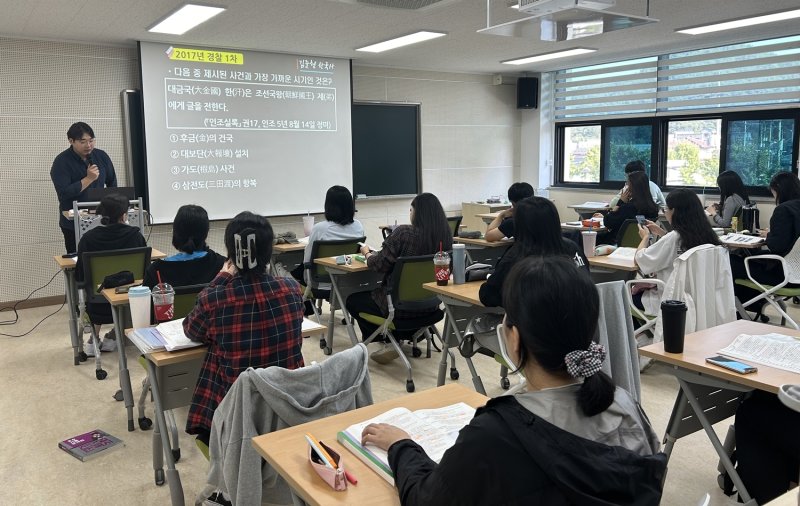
581, 228
587, 209
287, 451
173, 376
733, 245
488, 217
481, 250
617, 264
67, 266
461, 305
700, 381
345, 280
471, 210
289, 254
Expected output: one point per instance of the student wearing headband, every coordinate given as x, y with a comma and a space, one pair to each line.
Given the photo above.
572, 438
247, 317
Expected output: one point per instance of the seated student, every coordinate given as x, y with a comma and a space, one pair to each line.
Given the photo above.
690, 228
428, 232
339, 224
115, 234
767, 446
655, 191
503, 225
783, 232
538, 233
195, 262
247, 317
572, 438
732, 197
635, 200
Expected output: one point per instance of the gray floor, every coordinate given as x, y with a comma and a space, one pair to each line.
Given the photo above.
46, 399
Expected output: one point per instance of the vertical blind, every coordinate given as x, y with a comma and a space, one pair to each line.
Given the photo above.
757, 74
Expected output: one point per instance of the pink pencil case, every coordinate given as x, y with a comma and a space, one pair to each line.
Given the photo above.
333, 477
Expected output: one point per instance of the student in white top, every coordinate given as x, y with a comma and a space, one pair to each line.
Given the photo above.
655, 191
690, 228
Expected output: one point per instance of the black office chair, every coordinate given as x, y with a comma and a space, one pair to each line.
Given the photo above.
455, 224
628, 234
96, 266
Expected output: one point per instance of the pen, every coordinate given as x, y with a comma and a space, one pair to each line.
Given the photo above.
352, 479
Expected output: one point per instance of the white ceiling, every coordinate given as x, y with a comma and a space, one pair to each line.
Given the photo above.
336, 27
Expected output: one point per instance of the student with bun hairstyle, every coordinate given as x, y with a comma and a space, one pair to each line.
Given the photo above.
572, 438
195, 262
247, 317
114, 234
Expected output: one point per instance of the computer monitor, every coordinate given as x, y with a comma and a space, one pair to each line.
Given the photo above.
97, 194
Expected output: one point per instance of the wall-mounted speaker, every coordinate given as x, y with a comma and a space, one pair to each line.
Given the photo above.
527, 93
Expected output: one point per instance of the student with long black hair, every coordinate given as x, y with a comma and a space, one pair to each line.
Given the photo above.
783, 232
732, 197
635, 200
690, 228
572, 438
537, 233
428, 232
247, 317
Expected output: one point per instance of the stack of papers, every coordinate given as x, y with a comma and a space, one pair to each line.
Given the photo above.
775, 350
623, 253
741, 239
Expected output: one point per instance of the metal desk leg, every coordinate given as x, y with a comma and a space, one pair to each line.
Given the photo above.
124, 375
476, 379
723, 456
445, 352
348, 320
173, 478
70, 292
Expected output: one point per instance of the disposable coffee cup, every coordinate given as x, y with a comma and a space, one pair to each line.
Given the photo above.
163, 302
589, 242
139, 302
673, 320
441, 268
308, 224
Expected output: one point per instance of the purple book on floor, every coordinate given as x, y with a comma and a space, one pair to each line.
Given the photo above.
90, 444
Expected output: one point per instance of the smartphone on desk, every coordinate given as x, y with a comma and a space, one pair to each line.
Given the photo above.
122, 289
731, 364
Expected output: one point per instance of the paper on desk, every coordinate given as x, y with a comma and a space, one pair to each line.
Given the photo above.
775, 350
623, 253
310, 325
174, 338
741, 239
597, 205
303, 240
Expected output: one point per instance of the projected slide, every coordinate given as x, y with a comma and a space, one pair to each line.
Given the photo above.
242, 130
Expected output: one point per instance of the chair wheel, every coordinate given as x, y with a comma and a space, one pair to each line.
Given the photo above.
505, 384
82, 357
327, 350
100, 374
176, 455
323, 344
795, 300
145, 423
409, 386
160, 477
453, 373
344, 321
416, 352
764, 318
118, 396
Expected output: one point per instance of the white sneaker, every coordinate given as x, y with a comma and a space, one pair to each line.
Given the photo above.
108, 344
385, 355
88, 348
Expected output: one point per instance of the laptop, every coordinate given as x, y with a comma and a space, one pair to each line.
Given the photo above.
97, 194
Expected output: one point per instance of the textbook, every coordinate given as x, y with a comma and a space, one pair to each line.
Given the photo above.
435, 430
775, 350
164, 336
86, 446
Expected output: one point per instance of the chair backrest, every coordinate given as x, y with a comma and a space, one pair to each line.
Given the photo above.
322, 249
628, 235
615, 332
186, 298
99, 264
405, 283
793, 262
455, 223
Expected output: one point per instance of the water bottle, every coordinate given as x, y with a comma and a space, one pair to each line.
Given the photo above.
459, 263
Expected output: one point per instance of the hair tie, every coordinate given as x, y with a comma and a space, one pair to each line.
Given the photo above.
248, 251
585, 363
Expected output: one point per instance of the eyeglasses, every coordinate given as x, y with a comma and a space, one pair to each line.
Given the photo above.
85, 142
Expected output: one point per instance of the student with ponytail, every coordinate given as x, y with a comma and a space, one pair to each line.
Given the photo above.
195, 262
572, 438
247, 317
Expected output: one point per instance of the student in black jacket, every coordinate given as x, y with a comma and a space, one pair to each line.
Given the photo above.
195, 262
538, 233
572, 438
783, 232
636, 199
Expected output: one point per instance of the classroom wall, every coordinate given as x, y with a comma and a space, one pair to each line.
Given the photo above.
470, 144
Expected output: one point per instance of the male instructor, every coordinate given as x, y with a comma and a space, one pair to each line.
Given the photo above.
75, 169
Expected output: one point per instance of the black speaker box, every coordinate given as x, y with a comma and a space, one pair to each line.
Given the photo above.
527, 93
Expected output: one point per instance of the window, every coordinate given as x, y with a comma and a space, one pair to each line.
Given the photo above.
623, 144
758, 148
581, 159
693, 152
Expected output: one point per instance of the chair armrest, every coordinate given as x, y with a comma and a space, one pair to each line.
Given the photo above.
629, 285
774, 258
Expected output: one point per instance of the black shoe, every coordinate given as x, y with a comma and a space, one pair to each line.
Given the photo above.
308, 308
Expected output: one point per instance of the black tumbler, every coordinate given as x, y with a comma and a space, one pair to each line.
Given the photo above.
673, 319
